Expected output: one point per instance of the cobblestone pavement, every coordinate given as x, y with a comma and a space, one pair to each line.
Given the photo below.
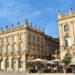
25, 73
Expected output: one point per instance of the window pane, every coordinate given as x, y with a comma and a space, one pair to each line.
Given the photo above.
15, 38
2, 50
14, 48
66, 28
67, 41
7, 63
8, 49
21, 47
29, 37
21, 36
20, 63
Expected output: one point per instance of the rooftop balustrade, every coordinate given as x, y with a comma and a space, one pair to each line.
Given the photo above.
70, 14
20, 27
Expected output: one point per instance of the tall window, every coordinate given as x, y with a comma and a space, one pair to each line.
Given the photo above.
67, 41
7, 63
45, 52
8, 49
3, 40
42, 51
14, 63
66, 27
21, 36
29, 37
33, 38
14, 48
15, 38
21, 47
8, 39
20, 63
2, 50
38, 39
33, 50
42, 40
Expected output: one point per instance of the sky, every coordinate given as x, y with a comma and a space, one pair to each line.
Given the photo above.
42, 13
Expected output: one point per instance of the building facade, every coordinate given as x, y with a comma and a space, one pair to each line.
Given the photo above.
23, 43
67, 33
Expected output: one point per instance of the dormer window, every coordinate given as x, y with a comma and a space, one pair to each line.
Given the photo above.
66, 27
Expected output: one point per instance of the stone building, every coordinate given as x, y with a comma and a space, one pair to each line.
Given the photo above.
67, 33
17, 45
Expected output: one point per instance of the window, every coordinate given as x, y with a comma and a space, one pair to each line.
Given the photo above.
33, 50
33, 38
38, 39
21, 47
38, 50
14, 48
2, 50
20, 63
29, 37
7, 63
67, 41
45, 52
14, 63
3, 40
15, 38
21, 36
8, 49
42, 51
66, 28
8, 40
42, 40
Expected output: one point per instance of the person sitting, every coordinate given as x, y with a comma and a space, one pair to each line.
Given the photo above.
68, 69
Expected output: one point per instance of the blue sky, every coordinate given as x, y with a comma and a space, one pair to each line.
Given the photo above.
43, 13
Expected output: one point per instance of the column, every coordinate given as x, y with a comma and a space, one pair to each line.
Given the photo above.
10, 60
24, 62
0, 64
3, 64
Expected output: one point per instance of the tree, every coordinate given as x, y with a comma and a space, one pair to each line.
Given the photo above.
67, 59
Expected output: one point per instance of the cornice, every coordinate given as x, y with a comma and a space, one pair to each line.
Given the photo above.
65, 18
36, 31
